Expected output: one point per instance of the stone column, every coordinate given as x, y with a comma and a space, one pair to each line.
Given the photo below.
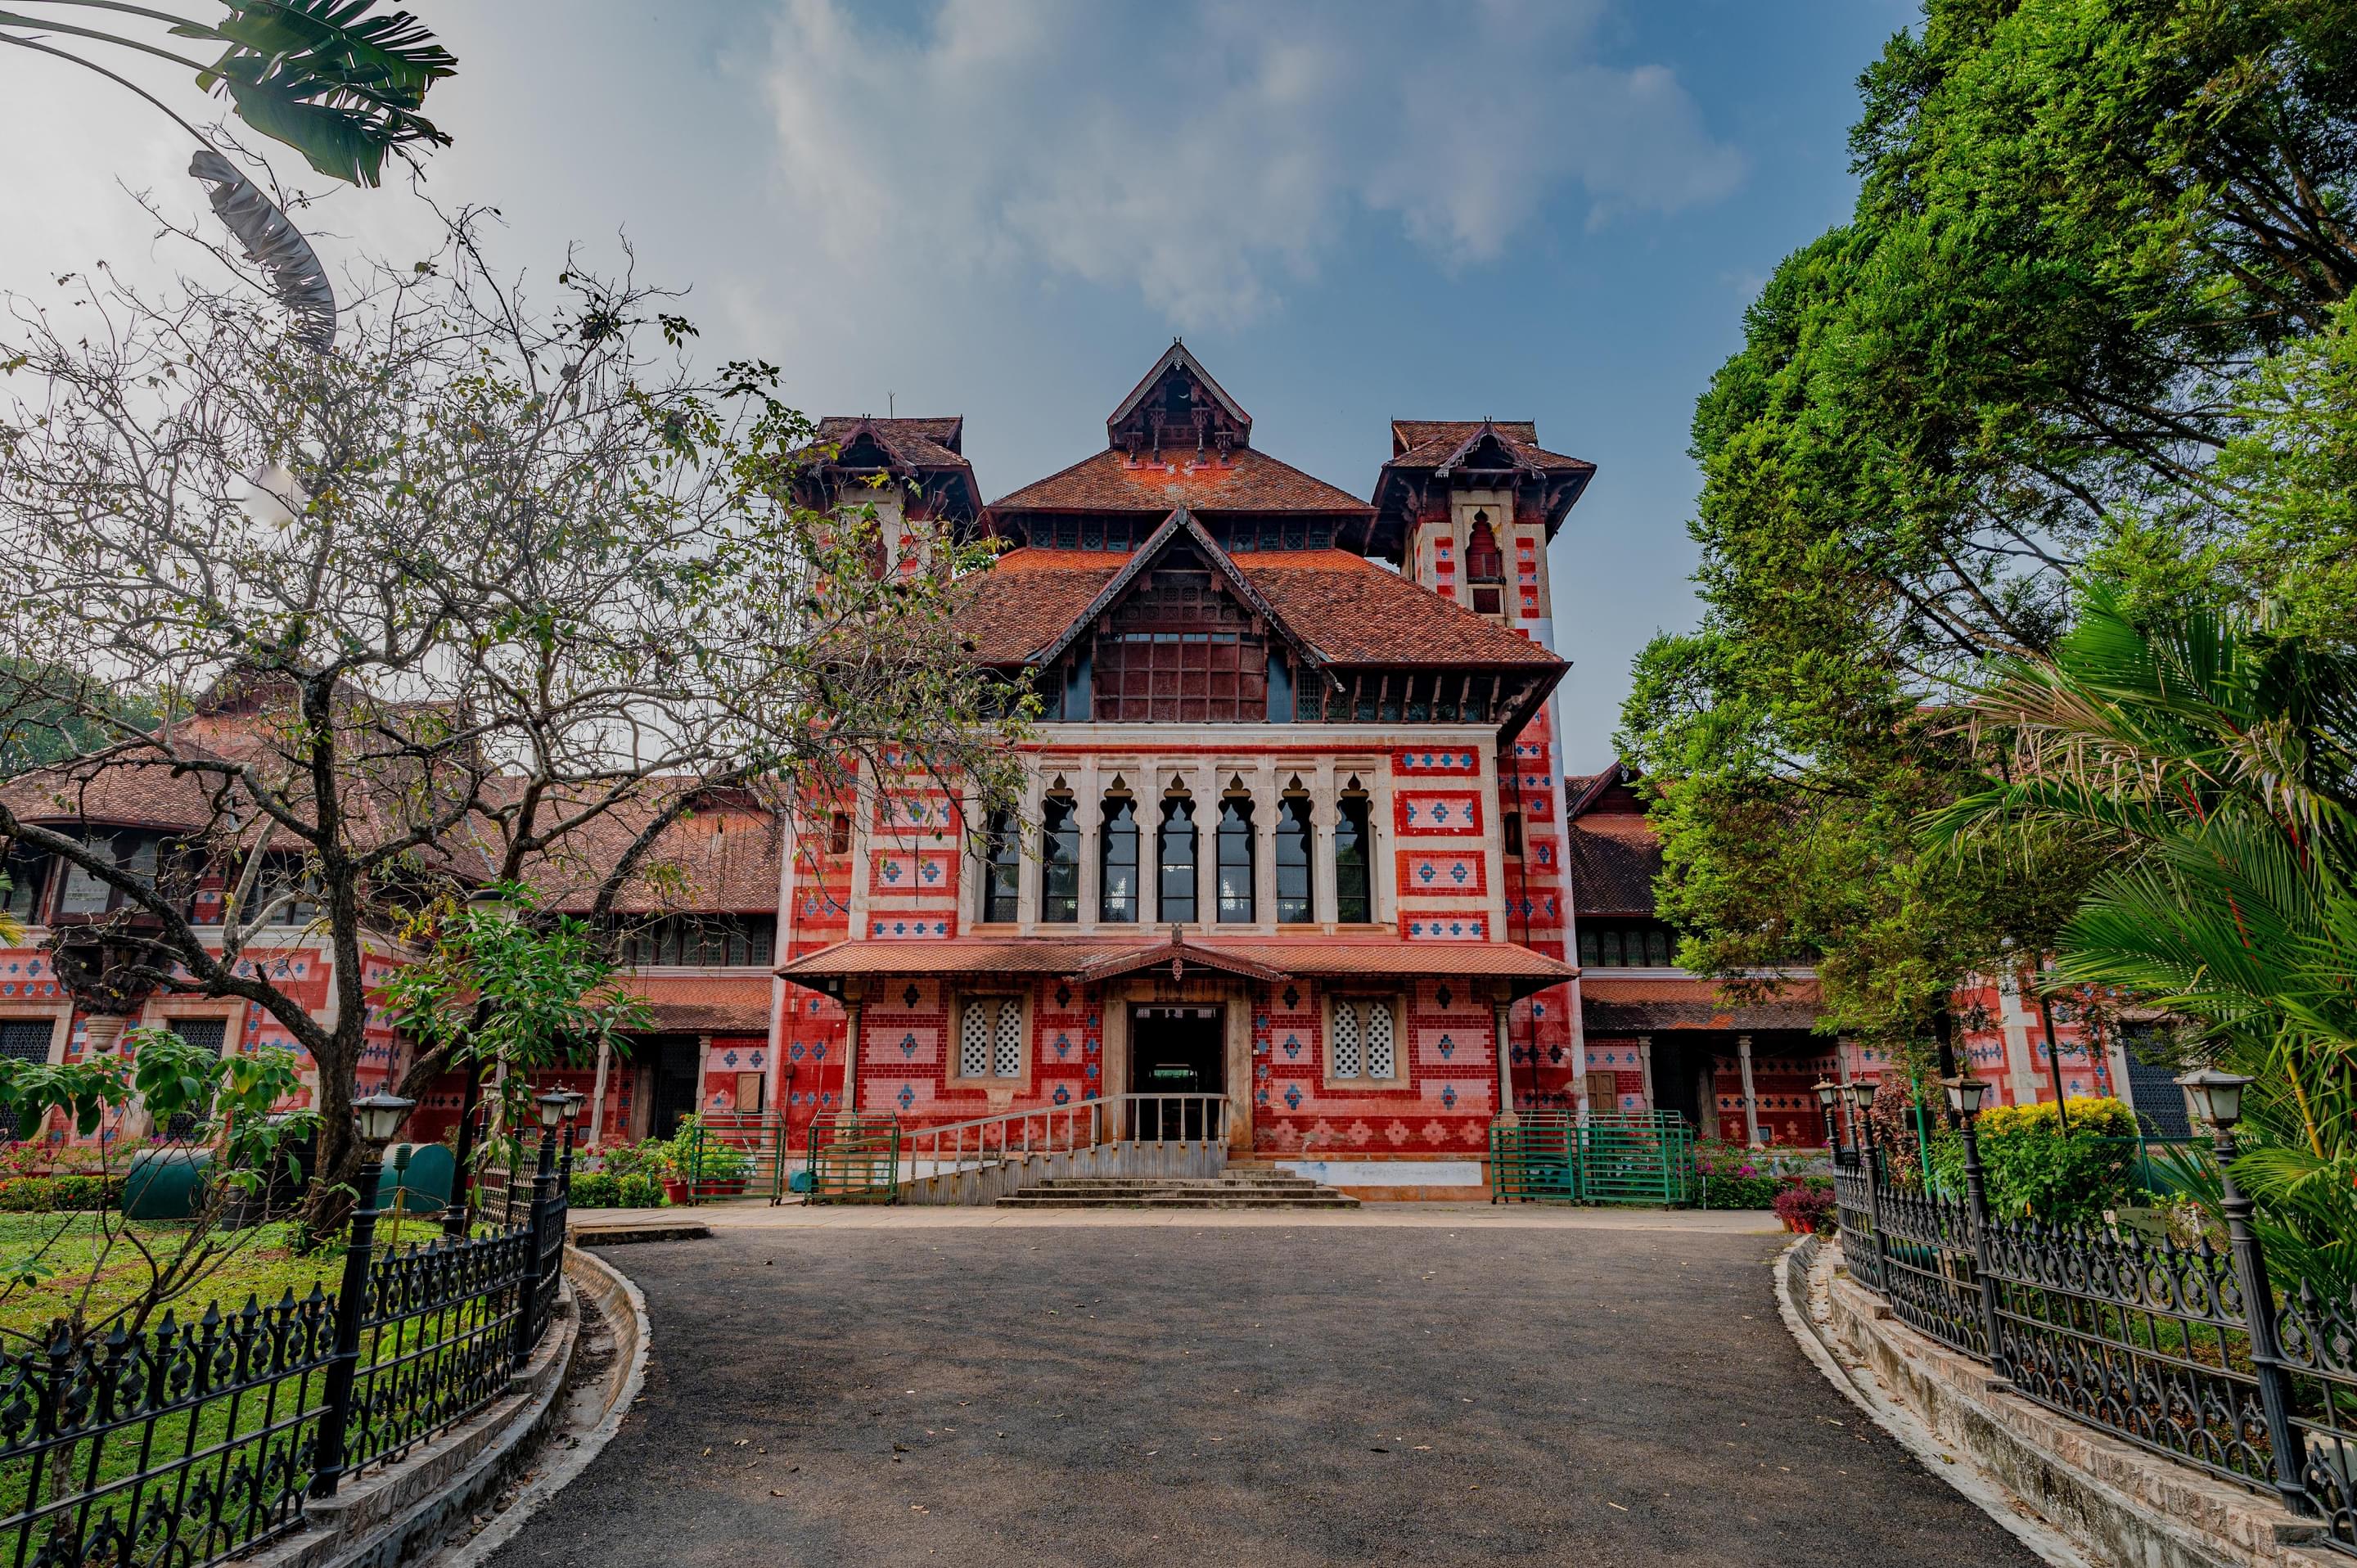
1029, 851
1088, 815
1207, 850
1499, 1011
1323, 900
1645, 1066
1265, 804
851, 1054
1750, 1101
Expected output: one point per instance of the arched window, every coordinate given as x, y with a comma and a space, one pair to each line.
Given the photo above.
1484, 561
1117, 861
1354, 903
1176, 900
1060, 861
1293, 841
1485, 566
1235, 861
1001, 868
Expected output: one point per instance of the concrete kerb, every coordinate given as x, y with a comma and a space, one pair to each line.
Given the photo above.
624, 1309
397, 1513
2101, 1499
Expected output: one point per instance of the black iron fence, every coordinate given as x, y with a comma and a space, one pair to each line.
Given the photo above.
186, 1443
2188, 1350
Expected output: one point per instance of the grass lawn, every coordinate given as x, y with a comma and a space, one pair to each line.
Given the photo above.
261, 1262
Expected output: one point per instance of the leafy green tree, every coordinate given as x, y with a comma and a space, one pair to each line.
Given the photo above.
341, 85
507, 987
2212, 754
2090, 308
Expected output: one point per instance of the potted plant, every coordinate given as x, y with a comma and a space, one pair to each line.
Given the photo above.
1806, 1207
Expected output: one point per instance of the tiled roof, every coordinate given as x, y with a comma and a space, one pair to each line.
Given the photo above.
720, 859
1028, 598
1247, 480
705, 1005
1426, 443
1612, 861
1368, 956
1346, 607
1643, 1006
1356, 612
920, 443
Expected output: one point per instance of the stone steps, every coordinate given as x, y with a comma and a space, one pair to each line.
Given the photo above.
1238, 1189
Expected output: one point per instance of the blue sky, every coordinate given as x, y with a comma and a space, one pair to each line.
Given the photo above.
1353, 210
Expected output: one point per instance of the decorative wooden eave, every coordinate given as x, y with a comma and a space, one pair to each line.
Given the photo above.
1177, 956
1177, 357
1180, 523
1619, 773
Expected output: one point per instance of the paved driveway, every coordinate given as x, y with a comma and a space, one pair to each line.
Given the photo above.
1228, 1394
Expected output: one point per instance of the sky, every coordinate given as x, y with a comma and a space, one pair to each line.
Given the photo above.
1352, 210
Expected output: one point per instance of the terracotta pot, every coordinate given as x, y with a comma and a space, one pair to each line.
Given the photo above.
676, 1189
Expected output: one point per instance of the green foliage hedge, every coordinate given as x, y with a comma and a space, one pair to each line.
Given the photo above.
2032, 1167
57, 1195
606, 1189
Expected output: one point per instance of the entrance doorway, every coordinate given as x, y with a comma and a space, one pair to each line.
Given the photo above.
1176, 1051
675, 1086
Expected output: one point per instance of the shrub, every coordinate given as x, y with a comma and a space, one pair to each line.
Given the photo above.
29, 1195
2032, 1167
640, 1189
86, 1192
1807, 1205
595, 1189
1740, 1188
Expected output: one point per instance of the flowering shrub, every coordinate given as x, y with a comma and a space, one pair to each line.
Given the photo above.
2032, 1167
1806, 1206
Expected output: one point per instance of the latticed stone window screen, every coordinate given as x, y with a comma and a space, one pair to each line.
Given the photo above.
990, 1037
1362, 1038
1347, 1061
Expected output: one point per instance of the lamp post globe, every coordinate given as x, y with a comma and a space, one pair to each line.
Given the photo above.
1865, 1089
2214, 1097
551, 1105
378, 1117
1965, 1094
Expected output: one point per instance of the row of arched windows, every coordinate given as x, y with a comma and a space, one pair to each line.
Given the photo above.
1235, 848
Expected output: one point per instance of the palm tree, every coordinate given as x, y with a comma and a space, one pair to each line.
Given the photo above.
2215, 758
339, 85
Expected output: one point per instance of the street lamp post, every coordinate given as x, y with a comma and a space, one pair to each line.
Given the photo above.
1828, 1092
570, 1111
2216, 1098
377, 1119
550, 1107
1964, 1096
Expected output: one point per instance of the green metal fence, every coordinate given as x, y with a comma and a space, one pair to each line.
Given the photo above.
855, 1157
1553, 1156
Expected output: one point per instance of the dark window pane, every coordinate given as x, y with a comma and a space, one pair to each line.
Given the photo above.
1178, 844
1118, 862
1002, 869
1293, 841
24, 1040
1235, 862
1353, 893
1060, 863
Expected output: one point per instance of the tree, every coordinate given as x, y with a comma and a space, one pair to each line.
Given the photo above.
2215, 756
338, 84
2098, 265
420, 615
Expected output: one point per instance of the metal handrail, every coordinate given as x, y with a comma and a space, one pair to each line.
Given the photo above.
987, 1141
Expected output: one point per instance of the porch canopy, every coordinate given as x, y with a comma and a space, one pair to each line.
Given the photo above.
1088, 959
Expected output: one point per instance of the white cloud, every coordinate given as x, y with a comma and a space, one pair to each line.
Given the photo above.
1207, 155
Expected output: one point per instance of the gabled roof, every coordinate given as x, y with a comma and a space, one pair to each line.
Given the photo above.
1177, 358
1179, 526
932, 441
1503, 452
1344, 609
1611, 854
1247, 480
1179, 955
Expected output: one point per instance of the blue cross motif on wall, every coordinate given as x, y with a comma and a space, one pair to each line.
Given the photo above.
1424, 872
891, 871
907, 1097
1293, 1096
1457, 874
730, 1058
1448, 1097
930, 872
1292, 1047
1448, 1047
1063, 1095
1440, 811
